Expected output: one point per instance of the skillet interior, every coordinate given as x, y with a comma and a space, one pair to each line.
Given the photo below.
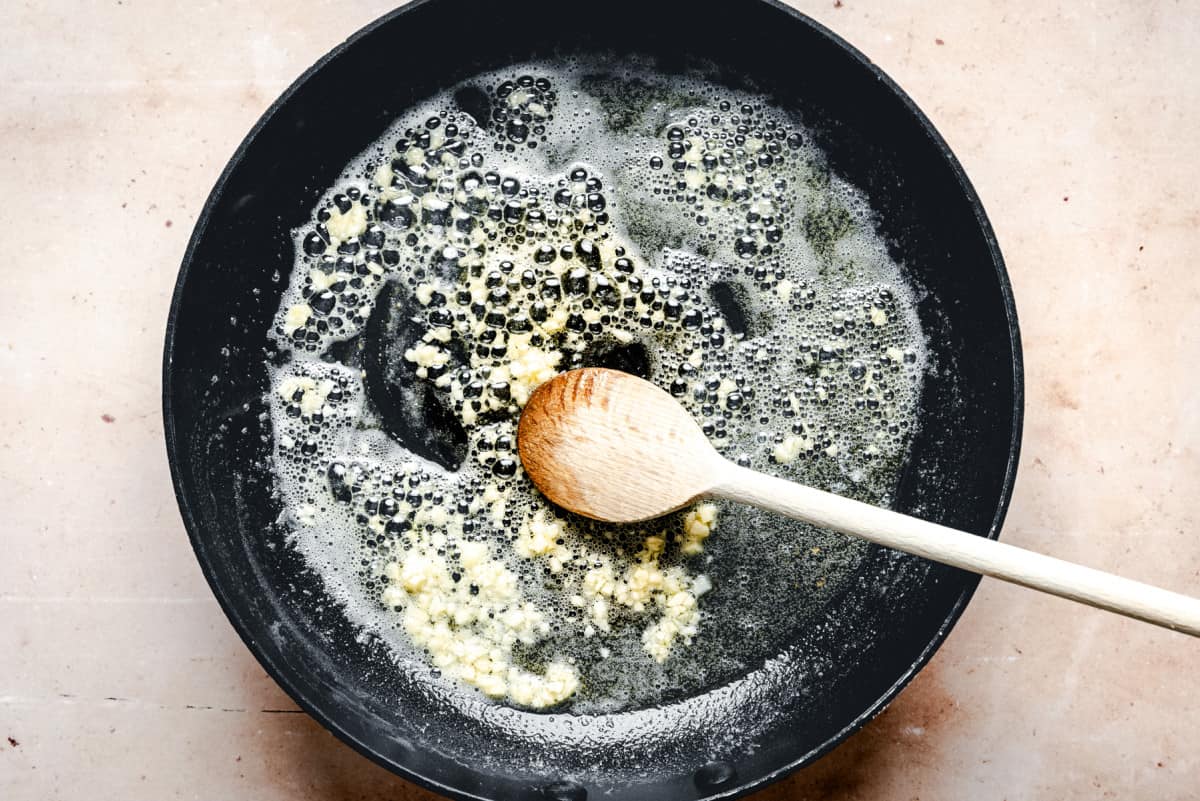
863, 646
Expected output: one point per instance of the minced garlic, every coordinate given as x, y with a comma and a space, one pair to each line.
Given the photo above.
697, 526
791, 447
346, 225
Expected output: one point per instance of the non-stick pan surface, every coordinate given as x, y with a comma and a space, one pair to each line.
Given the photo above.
857, 652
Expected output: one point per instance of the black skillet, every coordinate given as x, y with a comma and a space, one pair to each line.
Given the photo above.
858, 651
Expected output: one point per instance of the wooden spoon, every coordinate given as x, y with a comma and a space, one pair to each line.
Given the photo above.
613, 447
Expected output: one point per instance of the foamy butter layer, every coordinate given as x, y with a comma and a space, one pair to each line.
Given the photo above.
675, 225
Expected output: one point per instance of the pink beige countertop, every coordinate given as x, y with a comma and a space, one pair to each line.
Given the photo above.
119, 676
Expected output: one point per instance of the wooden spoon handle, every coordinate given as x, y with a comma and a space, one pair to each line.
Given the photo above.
960, 549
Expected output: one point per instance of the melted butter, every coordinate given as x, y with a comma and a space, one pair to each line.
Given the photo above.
522, 265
